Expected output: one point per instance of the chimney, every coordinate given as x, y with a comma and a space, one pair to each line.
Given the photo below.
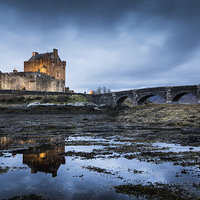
15, 70
55, 51
34, 53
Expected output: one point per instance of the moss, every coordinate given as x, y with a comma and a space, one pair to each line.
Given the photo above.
77, 98
26, 197
18, 98
96, 169
158, 191
4, 170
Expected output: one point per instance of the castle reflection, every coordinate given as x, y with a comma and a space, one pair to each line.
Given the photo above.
10, 143
46, 161
43, 158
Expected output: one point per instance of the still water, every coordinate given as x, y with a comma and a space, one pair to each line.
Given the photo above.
89, 164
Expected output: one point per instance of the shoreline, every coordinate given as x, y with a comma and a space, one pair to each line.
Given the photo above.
156, 115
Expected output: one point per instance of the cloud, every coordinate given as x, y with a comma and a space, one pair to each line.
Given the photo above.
117, 44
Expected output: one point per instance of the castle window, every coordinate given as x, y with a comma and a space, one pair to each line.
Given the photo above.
58, 74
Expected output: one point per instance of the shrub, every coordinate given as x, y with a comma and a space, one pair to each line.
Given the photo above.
21, 98
37, 98
9, 100
147, 102
45, 99
48, 99
62, 98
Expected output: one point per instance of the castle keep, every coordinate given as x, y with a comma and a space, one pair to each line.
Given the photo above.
42, 72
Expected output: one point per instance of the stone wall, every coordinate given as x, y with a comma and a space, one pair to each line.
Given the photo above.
30, 81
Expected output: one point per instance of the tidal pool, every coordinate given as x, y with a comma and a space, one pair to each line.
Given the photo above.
59, 157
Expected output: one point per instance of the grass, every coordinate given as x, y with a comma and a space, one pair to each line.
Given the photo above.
166, 114
18, 98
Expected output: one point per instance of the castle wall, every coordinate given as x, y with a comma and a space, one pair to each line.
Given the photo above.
30, 81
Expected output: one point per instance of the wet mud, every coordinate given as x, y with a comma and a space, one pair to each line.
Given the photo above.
99, 154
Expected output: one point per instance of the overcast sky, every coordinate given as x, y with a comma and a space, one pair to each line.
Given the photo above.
119, 44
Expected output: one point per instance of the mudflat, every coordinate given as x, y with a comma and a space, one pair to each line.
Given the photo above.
149, 152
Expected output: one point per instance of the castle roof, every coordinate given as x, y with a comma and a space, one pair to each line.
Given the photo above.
53, 55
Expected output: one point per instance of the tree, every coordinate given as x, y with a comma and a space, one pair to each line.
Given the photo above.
98, 91
102, 90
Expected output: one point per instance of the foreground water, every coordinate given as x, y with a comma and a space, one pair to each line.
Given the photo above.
95, 157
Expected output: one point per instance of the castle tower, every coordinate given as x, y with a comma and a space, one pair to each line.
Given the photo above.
48, 63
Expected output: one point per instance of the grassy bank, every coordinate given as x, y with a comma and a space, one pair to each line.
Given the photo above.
163, 114
18, 98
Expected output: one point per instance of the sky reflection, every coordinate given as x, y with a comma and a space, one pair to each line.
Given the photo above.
43, 169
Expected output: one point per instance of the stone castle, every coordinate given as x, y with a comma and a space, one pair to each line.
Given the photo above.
42, 72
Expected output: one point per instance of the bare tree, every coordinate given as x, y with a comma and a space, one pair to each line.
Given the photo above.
98, 91
102, 90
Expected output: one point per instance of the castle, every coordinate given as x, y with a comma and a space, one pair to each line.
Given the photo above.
42, 72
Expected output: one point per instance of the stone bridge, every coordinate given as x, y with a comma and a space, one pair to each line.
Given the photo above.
170, 93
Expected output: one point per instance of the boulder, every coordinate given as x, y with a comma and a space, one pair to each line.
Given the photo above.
34, 104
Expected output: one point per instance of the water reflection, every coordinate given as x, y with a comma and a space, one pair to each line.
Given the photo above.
43, 158
6, 142
95, 164
40, 160
11, 143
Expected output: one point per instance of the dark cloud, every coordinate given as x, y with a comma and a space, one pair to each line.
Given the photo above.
116, 43
78, 12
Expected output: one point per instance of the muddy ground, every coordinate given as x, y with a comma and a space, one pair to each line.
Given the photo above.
123, 133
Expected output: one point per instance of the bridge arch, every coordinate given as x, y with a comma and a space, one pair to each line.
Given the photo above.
145, 97
121, 99
178, 96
